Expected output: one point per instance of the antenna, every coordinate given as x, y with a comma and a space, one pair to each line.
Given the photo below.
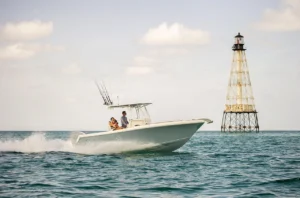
104, 93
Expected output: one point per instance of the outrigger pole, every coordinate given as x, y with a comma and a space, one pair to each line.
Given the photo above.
104, 93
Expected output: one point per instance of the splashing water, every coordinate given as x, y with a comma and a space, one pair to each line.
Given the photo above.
37, 142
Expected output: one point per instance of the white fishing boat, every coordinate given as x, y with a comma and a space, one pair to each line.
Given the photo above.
156, 137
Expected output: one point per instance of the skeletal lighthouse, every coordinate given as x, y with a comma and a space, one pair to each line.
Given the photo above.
240, 113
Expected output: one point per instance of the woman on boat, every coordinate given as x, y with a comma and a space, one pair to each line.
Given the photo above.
113, 123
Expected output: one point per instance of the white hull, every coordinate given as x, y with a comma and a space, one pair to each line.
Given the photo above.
157, 137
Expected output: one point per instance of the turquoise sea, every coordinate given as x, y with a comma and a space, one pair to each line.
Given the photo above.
211, 164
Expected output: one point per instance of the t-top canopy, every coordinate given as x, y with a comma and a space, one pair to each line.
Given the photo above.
134, 105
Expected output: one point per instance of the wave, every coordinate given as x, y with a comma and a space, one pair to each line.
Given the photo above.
37, 143
286, 181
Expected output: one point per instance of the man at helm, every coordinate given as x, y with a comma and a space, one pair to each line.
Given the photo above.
124, 120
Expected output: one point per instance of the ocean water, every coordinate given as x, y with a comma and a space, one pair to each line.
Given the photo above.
211, 164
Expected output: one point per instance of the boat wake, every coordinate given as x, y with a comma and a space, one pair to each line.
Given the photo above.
37, 143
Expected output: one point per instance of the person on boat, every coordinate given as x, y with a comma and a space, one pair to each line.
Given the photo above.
110, 123
113, 123
124, 120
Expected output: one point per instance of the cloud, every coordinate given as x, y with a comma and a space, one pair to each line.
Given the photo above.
169, 41
26, 30
24, 51
142, 65
73, 68
15, 51
175, 34
286, 18
17, 36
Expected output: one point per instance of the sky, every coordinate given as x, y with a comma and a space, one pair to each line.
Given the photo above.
175, 54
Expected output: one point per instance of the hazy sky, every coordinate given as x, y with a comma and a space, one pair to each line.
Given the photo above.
176, 54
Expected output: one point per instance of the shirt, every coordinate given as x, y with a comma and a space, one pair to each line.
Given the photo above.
124, 121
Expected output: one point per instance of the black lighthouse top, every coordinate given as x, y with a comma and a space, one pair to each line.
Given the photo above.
238, 43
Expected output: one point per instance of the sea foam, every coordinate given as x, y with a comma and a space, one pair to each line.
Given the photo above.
37, 143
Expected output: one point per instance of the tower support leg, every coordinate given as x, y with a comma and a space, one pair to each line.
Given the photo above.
240, 122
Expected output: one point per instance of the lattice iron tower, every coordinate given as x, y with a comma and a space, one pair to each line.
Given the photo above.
240, 114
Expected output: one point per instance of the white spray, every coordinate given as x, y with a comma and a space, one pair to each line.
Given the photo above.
37, 143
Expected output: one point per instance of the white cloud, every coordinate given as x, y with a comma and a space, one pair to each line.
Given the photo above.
19, 33
142, 65
169, 41
175, 34
23, 51
73, 68
286, 18
26, 30
15, 51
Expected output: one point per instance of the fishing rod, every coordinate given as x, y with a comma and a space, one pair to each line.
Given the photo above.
109, 100
101, 93
105, 93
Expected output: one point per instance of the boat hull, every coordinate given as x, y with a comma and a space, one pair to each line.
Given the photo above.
161, 137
